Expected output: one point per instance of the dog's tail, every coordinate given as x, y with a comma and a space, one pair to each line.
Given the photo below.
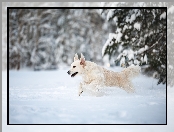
132, 71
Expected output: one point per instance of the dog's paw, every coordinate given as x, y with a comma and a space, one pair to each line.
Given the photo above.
80, 93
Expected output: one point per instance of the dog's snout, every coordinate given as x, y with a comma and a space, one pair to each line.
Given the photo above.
68, 72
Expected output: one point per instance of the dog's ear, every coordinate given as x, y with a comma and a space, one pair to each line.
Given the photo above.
75, 57
82, 56
82, 60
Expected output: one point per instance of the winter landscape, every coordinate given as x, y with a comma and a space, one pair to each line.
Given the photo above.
51, 97
42, 44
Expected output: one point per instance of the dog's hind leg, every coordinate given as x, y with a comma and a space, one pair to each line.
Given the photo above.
128, 88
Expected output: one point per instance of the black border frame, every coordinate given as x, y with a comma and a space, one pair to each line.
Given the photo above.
75, 8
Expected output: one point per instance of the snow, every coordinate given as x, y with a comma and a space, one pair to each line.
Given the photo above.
106, 60
131, 19
126, 37
137, 25
105, 46
146, 47
110, 14
122, 61
125, 27
119, 56
131, 54
136, 62
111, 36
141, 50
48, 26
120, 48
163, 15
125, 53
145, 58
117, 36
163, 66
49, 95
154, 50
115, 20
154, 15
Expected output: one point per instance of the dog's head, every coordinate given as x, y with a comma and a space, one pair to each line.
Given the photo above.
77, 66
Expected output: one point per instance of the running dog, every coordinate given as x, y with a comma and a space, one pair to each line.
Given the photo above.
95, 76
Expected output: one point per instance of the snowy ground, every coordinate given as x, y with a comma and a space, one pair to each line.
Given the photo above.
51, 97
46, 97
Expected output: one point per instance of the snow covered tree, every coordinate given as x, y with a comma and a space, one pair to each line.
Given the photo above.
43, 55
48, 38
14, 53
139, 38
81, 31
30, 39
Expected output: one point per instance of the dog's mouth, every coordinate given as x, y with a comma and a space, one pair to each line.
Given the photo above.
74, 74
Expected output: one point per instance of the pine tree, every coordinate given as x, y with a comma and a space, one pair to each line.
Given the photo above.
140, 39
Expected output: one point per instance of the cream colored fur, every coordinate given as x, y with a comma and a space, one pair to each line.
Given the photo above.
95, 76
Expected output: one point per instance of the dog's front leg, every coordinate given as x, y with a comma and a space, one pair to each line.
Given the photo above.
94, 85
80, 89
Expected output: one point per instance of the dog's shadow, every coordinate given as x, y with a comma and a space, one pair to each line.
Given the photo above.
99, 93
108, 91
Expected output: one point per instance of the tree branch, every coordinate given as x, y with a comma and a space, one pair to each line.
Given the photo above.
139, 53
157, 42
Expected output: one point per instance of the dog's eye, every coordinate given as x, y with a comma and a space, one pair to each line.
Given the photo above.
74, 66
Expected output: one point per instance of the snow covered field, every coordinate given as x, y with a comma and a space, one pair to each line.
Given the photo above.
51, 97
46, 97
